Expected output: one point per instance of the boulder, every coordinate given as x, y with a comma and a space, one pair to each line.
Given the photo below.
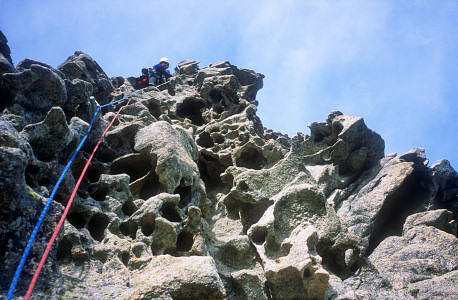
33, 91
82, 66
445, 182
185, 278
441, 219
4, 48
49, 137
175, 152
413, 258
188, 66
5, 65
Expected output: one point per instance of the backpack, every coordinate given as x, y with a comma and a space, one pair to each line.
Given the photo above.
143, 80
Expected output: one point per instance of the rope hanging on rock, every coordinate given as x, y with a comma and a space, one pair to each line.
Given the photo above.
67, 208
43, 213
48, 203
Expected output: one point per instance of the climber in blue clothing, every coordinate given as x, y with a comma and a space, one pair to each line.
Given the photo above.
158, 73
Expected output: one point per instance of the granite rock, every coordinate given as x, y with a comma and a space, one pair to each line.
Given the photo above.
190, 197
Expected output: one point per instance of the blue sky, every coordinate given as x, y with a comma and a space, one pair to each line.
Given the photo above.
394, 63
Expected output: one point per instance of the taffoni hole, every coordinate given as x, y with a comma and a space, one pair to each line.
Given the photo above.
150, 186
93, 172
251, 158
169, 212
185, 241
307, 273
128, 208
99, 194
216, 96
185, 195
30, 173
154, 109
205, 140
97, 225
135, 165
77, 219
129, 228
147, 224
191, 109
258, 236
124, 256
64, 250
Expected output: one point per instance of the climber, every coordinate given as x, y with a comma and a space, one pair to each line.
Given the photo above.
158, 73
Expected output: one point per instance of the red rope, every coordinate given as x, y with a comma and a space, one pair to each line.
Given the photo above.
62, 219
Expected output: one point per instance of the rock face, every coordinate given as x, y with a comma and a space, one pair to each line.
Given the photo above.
190, 197
6, 63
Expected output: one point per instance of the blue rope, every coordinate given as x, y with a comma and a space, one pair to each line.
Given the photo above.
105, 105
43, 213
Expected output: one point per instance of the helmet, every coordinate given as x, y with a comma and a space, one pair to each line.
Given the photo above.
164, 59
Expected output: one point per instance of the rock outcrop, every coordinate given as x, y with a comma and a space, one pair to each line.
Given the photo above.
6, 63
190, 197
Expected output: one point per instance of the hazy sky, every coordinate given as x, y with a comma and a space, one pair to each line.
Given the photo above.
394, 63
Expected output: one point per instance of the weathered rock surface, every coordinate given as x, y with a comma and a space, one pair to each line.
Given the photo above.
420, 264
5, 49
190, 197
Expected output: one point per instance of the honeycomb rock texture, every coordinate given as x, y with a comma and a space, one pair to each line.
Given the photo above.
190, 197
